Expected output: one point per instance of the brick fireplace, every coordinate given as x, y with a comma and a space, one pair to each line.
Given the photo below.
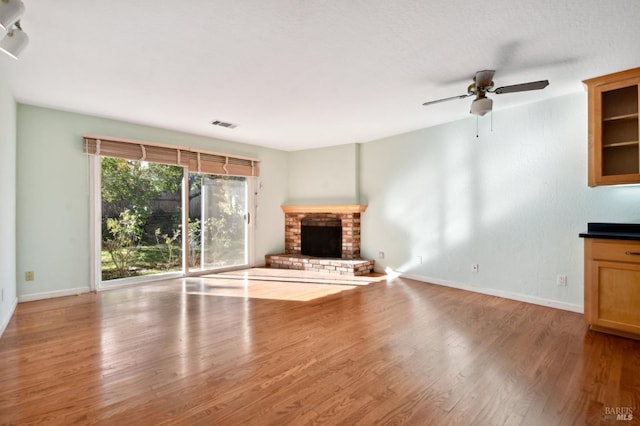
301, 221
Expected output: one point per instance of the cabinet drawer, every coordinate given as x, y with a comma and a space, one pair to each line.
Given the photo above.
622, 251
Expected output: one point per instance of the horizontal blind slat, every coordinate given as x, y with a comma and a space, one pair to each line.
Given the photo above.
196, 161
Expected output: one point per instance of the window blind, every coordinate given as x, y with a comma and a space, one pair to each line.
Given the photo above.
197, 161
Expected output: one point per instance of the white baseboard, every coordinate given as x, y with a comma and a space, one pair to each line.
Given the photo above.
501, 293
5, 321
52, 294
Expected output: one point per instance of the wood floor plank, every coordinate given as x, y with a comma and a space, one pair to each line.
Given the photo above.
255, 347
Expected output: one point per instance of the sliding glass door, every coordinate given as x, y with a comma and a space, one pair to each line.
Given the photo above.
218, 222
148, 224
141, 219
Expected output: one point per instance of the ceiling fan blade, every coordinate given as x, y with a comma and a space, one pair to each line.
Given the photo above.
534, 85
446, 99
484, 78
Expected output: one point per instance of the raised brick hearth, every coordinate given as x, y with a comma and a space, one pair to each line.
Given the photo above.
318, 264
346, 216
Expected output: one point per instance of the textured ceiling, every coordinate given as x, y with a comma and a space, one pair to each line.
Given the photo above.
296, 74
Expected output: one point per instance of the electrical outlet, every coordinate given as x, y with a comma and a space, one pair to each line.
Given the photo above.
561, 280
419, 260
380, 255
29, 276
475, 267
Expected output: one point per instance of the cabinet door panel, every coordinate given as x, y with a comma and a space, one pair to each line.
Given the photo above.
614, 128
618, 295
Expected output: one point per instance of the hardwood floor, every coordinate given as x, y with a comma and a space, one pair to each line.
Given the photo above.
390, 352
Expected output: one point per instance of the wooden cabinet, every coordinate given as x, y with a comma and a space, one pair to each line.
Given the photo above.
614, 154
612, 286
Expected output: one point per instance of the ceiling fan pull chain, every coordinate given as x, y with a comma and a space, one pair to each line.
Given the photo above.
491, 121
476, 126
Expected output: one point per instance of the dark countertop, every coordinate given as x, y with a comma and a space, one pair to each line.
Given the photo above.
612, 231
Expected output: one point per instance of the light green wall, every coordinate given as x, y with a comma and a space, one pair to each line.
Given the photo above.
53, 193
512, 200
7, 193
324, 176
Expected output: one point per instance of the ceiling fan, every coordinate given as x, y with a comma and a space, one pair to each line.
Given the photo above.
483, 84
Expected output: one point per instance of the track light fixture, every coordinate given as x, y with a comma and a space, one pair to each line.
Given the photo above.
15, 40
10, 12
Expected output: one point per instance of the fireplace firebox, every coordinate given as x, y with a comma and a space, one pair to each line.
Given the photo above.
321, 238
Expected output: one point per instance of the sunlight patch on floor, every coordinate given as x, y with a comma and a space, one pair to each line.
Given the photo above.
278, 284
301, 292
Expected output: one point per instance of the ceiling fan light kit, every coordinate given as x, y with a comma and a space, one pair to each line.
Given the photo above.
15, 40
10, 12
481, 106
483, 84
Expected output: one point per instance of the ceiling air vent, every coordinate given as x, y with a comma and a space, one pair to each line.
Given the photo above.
224, 124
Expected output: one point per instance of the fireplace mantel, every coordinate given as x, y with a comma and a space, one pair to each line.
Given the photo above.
338, 209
